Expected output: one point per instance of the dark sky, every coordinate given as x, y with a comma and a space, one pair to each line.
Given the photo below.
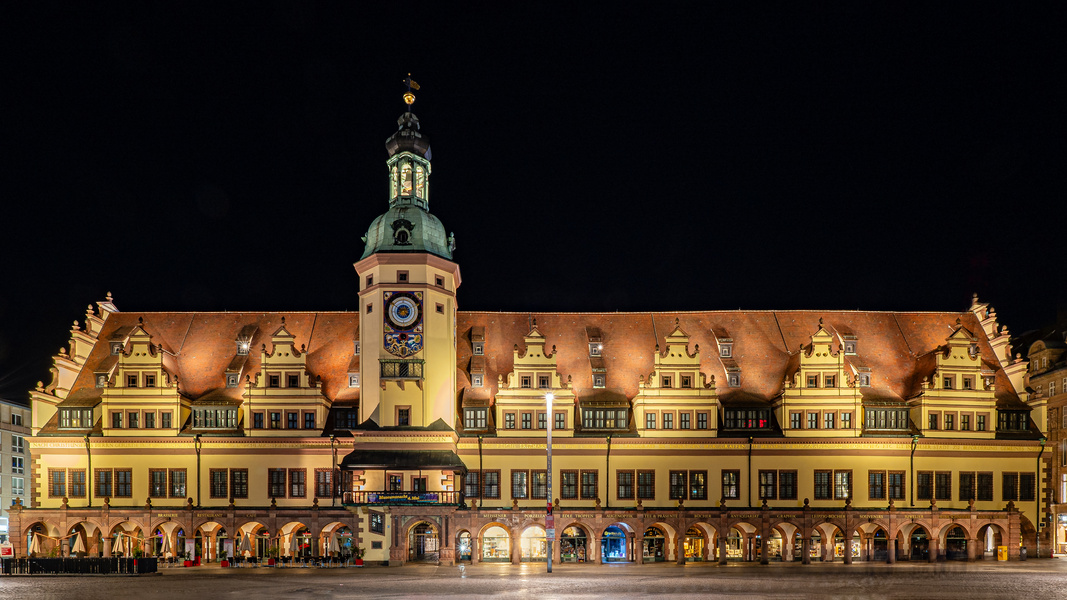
670, 156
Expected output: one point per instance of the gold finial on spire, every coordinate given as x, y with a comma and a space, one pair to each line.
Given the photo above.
409, 98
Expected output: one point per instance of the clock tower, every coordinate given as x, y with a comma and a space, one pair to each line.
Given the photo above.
407, 297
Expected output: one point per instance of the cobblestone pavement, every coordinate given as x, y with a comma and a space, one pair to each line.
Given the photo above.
1030, 579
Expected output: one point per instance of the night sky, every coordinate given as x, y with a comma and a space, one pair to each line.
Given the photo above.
200, 157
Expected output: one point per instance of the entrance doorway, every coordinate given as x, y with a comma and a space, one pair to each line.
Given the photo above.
655, 545
694, 545
465, 546
956, 544
422, 544
920, 544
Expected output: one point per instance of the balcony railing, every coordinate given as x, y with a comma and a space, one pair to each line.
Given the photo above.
401, 498
401, 369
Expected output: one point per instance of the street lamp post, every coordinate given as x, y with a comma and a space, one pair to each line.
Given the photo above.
550, 521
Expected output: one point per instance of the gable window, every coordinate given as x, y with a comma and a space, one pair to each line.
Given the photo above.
542, 382
116, 348
273, 381
968, 384
666, 381
355, 348
131, 380
830, 380
242, 347
525, 382
687, 381
850, 347
293, 381
150, 381
813, 381
947, 382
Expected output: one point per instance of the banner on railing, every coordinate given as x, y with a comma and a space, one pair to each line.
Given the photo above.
402, 498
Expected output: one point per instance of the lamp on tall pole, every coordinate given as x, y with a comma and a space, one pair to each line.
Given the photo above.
550, 521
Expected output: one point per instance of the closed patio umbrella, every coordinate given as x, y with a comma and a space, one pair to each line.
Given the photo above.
293, 542
79, 546
246, 545
35, 545
334, 547
165, 547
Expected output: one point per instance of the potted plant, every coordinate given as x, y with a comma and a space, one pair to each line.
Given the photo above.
272, 556
357, 552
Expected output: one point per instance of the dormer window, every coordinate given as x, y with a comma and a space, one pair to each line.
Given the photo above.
599, 380
101, 380
479, 348
850, 347
477, 380
353, 380
733, 380
595, 348
355, 348
726, 350
243, 347
973, 350
864, 380
232, 379
116, 348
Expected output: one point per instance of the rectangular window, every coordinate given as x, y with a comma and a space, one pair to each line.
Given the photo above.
353, 380
1010, 488
795, 420
933, 421
698, 485
239, 483
519, 484
323, 483
17, 465
979, 423
702, 420
131, 380
403, 417
1027, 487
947, 382
439, 281
164, 420
149, 380
476, 418
219, 483
275, 420
650, 420
291, 419
950, 421
150, 420
683, 420
116, 420
813, 420
377, 523
768, 488
527, 420
646, 485
297, 483
568, 484
668, 421
276, 482
132, 420
967, 487
257, 420
292, 381
471, 484
813, 381
842, 485
542, 382
309, 420
273, 381
542, 420
985, 487
876, 485
624, 485
561, 421
965, 422
687, 381
57, 479
177, 483
509, 421
18, 486
401, 276
678, 485
943, 485
491, 484
731, 484
846, 420
157, 483
666, 381
589, 485
828, 420
103, 483
395, 482
123, 483
829, 381
787, 485
539, 484
822, 484
77, 483
924, 485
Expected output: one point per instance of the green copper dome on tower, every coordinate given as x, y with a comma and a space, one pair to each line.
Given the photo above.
408, 225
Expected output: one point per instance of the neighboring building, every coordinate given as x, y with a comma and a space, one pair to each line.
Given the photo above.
419, 431
1046, 380
14, 456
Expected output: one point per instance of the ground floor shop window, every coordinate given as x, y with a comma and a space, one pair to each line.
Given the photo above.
496, 545
613, 545
655, 545
532, 546
464, 546
573, 545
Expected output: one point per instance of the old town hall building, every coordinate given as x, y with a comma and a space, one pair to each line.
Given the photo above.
413, 431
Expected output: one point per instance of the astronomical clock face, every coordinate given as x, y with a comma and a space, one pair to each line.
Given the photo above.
403, 323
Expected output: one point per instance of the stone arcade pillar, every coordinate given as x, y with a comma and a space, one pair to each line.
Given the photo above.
107, 547
848, 549
972, 550
639, 547
722, 550
934, 550
805, 550
891, 550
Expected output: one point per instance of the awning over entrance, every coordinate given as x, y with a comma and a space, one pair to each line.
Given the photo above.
403, 459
